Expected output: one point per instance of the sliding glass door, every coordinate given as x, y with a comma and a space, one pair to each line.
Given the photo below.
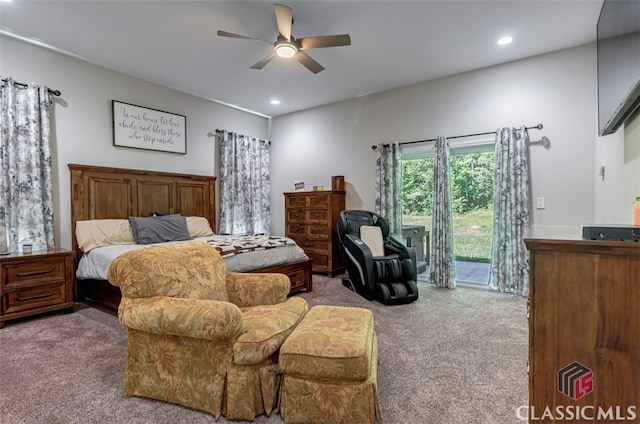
472, 168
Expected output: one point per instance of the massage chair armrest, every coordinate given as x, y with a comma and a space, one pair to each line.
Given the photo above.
197, 318
394, 244
361, 255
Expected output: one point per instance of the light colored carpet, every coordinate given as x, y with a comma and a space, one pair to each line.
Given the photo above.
453, 356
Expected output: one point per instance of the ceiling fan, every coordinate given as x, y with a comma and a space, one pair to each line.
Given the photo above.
286, 45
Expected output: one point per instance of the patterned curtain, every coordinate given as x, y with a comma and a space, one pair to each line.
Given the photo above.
245, 187
389, 185
509, 257
26, 195
442, 264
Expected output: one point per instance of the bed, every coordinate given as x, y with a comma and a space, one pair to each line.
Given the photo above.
100, 193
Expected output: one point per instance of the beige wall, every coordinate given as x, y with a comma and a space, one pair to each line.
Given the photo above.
82, 131
556, 89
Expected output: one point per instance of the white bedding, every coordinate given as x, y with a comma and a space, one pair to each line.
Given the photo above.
94, 265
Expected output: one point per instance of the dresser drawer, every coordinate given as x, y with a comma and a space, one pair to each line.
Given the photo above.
318, 231
320, 262
297, 201
24, 274
296, 230
317, 215
297, 215
314, 246
25, 298
320, 200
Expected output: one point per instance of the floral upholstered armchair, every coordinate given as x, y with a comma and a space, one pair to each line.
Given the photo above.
200, 336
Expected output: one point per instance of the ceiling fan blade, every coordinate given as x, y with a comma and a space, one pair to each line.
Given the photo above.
262, 62
325, 41
308, 62
241, 37
284, 18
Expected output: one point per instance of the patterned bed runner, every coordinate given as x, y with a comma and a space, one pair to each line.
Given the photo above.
233, 245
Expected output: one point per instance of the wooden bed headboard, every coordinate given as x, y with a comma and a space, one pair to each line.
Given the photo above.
116, 193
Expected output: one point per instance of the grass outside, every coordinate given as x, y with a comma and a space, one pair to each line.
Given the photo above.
471, 233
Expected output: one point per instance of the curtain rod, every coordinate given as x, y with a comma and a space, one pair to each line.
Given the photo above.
537, 127
21, 84
218, 131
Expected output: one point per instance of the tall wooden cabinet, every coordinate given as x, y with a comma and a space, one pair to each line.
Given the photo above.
310, 219
584, 330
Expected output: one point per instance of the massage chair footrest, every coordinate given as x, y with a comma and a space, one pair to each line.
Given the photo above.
397, 292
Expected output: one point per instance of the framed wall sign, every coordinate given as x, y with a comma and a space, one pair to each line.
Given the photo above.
143, 128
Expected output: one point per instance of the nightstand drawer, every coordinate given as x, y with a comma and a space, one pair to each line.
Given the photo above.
37, 282
24, 274
33, 297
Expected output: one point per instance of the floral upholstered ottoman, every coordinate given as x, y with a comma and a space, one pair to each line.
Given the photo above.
329, 365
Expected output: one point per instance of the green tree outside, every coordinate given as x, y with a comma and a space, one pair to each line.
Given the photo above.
472, 197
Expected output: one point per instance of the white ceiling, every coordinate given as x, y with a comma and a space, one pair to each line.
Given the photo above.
394, 43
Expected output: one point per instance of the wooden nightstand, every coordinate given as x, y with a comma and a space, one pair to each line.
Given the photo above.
36, 282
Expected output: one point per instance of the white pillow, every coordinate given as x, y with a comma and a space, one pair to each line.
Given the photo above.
371, 235
199, 227
102, 232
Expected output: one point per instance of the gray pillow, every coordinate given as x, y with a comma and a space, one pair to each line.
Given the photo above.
159, 229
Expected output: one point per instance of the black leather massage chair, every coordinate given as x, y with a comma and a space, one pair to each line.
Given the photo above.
388, 277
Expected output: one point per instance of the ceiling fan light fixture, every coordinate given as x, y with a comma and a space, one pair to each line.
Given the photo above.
288, 47
286, 50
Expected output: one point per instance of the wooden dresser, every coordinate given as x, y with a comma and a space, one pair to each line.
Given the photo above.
584, 330
36, 282
310, 219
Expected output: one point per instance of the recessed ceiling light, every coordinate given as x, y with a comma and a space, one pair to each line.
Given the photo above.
505, 40
275, 102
